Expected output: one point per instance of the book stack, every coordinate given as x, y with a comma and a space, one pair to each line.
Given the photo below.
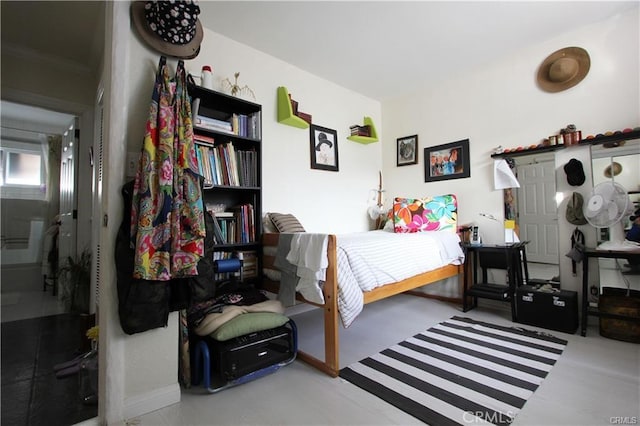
246, 126
222, 164
360, 130
214, 124
243, 125
249, 263
236, 226
245, 227
224, 227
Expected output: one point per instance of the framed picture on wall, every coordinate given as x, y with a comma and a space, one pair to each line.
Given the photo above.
323, 145
407, 150
448, 161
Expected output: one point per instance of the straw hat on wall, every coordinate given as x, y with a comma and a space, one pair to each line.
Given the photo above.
563, 69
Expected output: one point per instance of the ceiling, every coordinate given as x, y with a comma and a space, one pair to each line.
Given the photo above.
387, 48
68, 33
380, 49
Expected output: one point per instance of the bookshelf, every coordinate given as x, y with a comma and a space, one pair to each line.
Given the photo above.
228, 137
373, 135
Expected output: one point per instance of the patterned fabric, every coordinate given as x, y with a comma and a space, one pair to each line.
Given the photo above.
184, 361
425, 214
174, 22
167, 216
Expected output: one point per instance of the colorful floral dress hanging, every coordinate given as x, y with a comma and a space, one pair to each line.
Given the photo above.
167, 219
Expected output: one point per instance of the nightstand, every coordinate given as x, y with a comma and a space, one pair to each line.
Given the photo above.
511, 257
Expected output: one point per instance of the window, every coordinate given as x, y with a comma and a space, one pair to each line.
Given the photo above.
23, 169
22, 173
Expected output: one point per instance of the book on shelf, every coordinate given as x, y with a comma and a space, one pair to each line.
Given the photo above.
217, 231
195, 107
249, 260
214, 124
203, 139
203, 169
360, 130
246, 126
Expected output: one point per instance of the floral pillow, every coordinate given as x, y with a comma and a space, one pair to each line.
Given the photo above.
437, 213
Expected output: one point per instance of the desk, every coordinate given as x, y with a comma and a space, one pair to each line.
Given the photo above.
610, 254
510, 257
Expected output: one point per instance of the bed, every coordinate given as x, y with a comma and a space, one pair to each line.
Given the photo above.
423, 248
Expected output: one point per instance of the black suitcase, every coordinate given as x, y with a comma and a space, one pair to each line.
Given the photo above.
553, 310
242, 355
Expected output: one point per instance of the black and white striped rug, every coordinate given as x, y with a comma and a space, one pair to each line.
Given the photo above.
460, 372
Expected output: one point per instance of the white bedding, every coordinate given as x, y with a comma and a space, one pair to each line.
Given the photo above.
367, 260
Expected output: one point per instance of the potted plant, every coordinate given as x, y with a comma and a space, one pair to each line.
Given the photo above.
75, 275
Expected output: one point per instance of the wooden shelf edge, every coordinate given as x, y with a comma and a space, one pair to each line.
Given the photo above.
294, 121
362, 139
285, 112
635, 134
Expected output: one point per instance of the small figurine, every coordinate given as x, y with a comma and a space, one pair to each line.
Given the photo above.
235, 88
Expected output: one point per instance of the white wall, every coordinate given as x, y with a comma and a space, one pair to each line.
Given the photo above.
322, 200
501, 105
142, 368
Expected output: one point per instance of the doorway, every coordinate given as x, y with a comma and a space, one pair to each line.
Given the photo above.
537, 215
38, 332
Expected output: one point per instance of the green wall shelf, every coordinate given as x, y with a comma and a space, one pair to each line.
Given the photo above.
366, 139
285, 112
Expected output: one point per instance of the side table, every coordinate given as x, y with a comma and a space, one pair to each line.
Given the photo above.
590, 253
510, 257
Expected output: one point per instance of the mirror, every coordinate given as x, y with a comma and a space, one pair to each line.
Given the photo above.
534, 206
534, 203
620, 164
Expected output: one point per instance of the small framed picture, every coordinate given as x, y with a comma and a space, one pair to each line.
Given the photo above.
323, 144
448, 161
407, 150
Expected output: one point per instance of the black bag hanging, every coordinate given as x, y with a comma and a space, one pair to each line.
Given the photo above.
577, 248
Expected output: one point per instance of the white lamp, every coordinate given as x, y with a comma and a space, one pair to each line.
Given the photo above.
377, 211
503, 176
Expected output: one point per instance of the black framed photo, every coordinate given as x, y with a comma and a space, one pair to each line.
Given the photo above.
324, 148
407, 150
448, 161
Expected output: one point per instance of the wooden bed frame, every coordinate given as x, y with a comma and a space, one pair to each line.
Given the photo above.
331, 364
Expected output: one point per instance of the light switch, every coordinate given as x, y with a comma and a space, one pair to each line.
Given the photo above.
132, 163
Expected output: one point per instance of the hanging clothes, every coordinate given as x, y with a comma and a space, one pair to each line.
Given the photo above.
167, 220
577, 249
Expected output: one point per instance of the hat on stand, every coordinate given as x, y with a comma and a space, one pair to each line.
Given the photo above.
171, 28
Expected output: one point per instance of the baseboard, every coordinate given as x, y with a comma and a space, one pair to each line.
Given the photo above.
151, 401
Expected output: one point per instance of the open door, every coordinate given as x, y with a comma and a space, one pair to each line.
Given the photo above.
67, 244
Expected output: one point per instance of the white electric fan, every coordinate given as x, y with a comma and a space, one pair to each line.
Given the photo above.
608, 204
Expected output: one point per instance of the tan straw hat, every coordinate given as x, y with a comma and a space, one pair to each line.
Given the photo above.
563, 69
171, 28
613, 169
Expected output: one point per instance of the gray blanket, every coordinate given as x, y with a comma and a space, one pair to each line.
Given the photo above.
288, 279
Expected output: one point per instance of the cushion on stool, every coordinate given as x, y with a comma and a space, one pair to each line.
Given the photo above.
250, 322
214, 320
